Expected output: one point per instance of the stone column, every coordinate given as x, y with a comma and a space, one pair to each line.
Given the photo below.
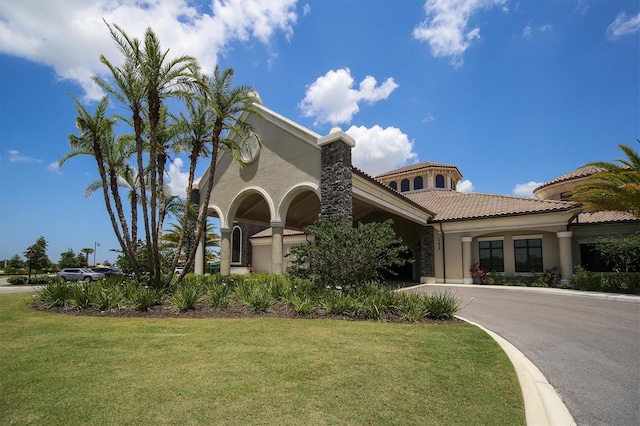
336, 195
200, 255
277, 230
466, 260
225, 251
427, 256
566, 257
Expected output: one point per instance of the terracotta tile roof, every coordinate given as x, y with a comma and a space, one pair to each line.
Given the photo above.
580, 172
453, 205
604, 216
267, 233
416, 166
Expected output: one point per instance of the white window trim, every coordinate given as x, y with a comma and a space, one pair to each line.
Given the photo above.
239, 262
490, 239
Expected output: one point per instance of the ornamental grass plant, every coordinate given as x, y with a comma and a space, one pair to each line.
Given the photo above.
260, 293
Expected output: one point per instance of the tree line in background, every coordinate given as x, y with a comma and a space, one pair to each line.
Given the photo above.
211, 119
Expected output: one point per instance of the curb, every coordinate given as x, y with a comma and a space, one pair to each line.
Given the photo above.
542, 403
619, 297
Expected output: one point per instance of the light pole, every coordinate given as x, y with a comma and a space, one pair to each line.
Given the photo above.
95, 249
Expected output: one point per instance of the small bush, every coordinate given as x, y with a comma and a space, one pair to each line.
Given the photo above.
111, 295
339, 303
81, 295
54, 294
442, 305
375, 302
218, 293
411, 306
189, 293
144, 298
255, 296
540, 282
17, 280
301, 304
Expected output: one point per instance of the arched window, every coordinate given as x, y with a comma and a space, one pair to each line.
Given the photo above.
418, 183
236, 245
394, 185
404, 185
439, 181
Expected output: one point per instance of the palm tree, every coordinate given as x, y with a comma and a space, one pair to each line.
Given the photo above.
144, 81
229, 107
615, 187
172, 236
97, 139
87, 251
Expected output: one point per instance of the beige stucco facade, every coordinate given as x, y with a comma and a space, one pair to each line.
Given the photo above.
278, 190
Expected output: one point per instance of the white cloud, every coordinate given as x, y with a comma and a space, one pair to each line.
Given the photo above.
526, 189
178, 179
17, 157
332, 98
623, 25
428, 118
528, 31
54, 167
69, 35
378, 150
446, 28
306, 9
465, 186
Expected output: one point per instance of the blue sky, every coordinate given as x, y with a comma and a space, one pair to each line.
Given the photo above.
515, 93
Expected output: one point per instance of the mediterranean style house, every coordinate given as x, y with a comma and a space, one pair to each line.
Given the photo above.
294, 174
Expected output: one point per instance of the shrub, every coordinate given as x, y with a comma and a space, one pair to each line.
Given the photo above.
442, 305
540, 282
54, 294
143, 298
374, 301
255, 296
17, 280
338, 303
479, 273
301, 304
585, 280
345, 256
188, 294
218, 292
411, 306
81, 295
110, 295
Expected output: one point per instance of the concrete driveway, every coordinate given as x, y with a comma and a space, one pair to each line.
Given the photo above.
586, 344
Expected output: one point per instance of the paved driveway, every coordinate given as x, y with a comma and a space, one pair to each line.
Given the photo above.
587, 345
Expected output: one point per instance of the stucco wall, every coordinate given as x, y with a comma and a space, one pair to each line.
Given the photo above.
282, 163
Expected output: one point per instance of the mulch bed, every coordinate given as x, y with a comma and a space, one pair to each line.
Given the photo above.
235, 310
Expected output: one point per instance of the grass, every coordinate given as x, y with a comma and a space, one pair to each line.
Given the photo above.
59, 369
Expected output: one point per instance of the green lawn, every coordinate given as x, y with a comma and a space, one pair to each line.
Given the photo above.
59, 369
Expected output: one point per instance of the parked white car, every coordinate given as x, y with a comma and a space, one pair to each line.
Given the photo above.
79, 274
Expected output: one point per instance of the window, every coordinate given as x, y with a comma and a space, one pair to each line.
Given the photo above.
236, 245
439, 181
418, 182
492, 255
528, 254
393, 184
404, 185
591, 259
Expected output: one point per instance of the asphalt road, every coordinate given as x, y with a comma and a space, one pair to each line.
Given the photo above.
587, 345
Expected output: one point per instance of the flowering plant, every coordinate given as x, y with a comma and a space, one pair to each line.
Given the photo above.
479, 272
